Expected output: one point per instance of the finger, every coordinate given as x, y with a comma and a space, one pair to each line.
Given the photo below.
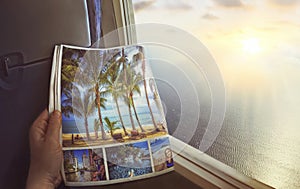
39, 127
53, 130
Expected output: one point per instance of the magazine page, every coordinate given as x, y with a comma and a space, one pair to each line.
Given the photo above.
113, 127
53, 80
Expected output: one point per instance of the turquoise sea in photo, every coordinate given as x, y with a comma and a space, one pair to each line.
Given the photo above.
70, 126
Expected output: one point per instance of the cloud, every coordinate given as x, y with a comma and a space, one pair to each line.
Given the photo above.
283, 24
267, 28
174, 4
210, 16
229, 3
142, 5
159, 4
285, 2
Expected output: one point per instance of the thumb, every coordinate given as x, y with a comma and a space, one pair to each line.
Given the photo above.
53, 130
39, 128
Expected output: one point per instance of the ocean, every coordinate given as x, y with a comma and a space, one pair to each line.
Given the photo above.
260, 133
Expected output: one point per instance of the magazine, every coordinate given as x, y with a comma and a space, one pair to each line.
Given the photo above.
113, 124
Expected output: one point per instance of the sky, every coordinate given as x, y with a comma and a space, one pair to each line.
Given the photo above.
158, 143
78, 154
143, 145
247, 38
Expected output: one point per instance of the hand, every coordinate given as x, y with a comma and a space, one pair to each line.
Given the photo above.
46, 152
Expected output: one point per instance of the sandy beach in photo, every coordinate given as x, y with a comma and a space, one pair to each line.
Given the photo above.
149, 133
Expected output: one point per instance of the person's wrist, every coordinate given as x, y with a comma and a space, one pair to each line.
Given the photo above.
39, 185
38, 179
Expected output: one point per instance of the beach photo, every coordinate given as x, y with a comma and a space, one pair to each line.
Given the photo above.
84, 165
130, 160
161, 154
108, 96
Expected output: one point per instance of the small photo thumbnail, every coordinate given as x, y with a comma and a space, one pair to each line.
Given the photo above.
161, 154
84, 165
128, 160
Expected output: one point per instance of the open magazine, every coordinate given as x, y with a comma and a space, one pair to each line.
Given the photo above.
113, 125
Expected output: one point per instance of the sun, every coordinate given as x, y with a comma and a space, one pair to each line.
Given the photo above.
251, 45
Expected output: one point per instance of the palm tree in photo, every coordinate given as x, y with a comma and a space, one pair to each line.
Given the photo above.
132, 86
98, 105
87, 68
76, 99
115, 88
70, 63
127, 102
97, 78
111, 125
123, 61
137, 57
82, 105
96, 127
96, 121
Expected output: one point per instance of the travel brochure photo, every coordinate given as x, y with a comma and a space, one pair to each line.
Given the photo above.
113, 123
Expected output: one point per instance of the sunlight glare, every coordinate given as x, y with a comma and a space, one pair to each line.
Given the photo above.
251, 45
